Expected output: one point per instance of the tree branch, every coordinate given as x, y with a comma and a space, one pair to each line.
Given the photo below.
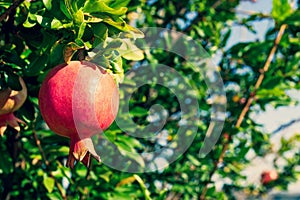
247, 106
286, 125
38, 143
10, 9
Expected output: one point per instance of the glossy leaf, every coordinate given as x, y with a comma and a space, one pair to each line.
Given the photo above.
281, 9
97, 6
48, 183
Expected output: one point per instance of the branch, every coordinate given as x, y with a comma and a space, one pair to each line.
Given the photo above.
247, 106
286, 125
38, 144
10, 9
46, 162
216, 4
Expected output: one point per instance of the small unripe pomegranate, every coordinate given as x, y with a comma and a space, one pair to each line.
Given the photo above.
11, 101
79, 100
269, 176
226, 136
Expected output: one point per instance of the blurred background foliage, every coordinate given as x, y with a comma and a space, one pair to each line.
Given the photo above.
35, 34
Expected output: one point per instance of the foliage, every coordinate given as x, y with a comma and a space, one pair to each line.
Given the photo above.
37, 35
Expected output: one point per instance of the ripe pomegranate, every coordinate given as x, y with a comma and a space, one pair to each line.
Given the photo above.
78, 100
269, 176
11, 101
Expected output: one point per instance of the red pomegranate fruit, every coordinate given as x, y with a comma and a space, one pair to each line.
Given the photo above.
268, 176
11, 101
79, 100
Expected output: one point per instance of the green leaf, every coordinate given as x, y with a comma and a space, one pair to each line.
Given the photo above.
48, 183
56, 53
100, 32
54, 196
130, 32
13, 82
48, 4
92, 19
70, 6
119, 4
81, 30
138, 111
193, 160
293, 19
78, 17
98, 6
30, 21
106, 176
281, 10
65, 10
37, 65
131, 52
49, 22
134, 156
6, 165
130, 141
128, 150
270, 82
143, 186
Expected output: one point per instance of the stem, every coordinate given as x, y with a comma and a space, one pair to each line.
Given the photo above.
247, 106
38, 144
216, 4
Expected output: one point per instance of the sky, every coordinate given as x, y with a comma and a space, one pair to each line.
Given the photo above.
272, 118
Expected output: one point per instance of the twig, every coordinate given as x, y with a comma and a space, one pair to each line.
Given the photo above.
262, 75
38, 143
10, 9
247, 106
250, 12
216, 4
286, 125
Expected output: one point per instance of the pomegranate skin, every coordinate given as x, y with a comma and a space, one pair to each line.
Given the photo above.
78, 100
4, 95
11, 101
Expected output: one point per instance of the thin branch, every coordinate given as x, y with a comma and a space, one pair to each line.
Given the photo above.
247, 106
250, 12
216, 4
38, 143
286, 125
10, 9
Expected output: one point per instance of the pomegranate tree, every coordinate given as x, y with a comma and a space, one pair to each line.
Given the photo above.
79, 100
11, 101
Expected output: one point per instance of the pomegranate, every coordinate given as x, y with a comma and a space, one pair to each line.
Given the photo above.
79, 100
4, 95
11, 101
269, 176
